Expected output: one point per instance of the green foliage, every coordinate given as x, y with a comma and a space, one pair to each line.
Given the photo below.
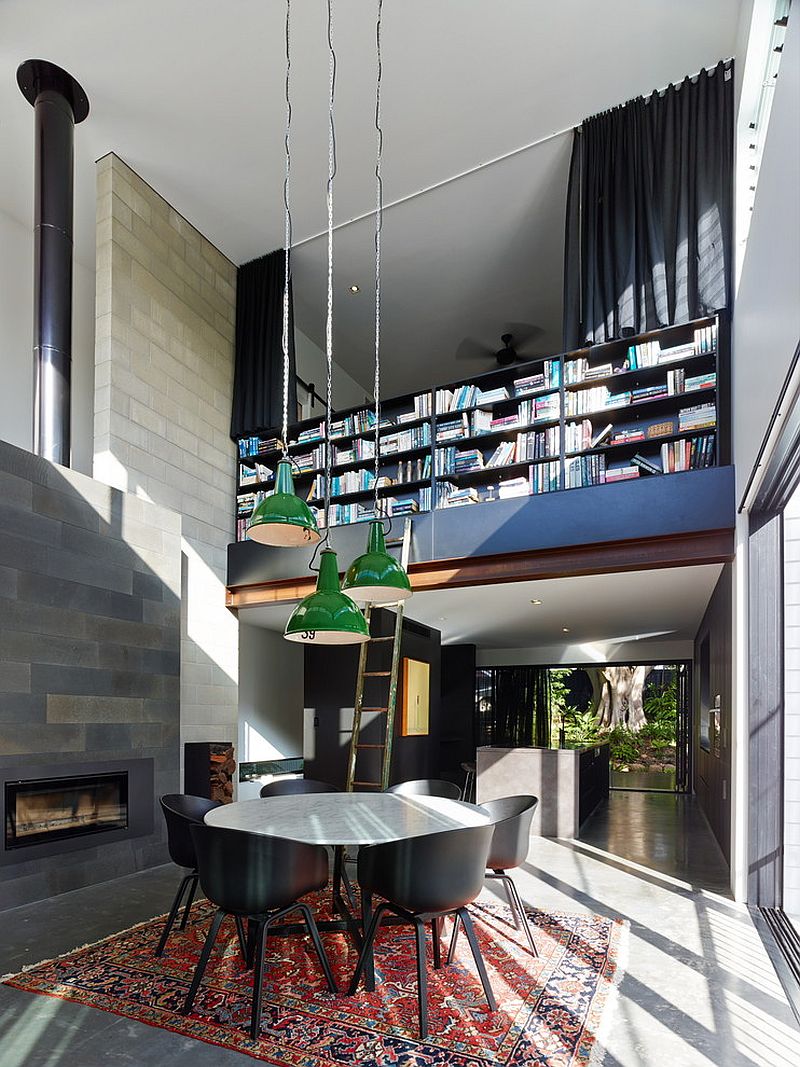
558, 694
580, 727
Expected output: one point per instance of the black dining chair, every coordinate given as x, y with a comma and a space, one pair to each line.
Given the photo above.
262, 879
427, 787
511, 817
292, 787
180, 813
422, 879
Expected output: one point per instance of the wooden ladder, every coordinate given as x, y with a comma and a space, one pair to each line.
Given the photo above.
362, 752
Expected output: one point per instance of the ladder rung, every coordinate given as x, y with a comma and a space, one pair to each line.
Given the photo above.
373, 709
376, 785
390, 638
377, 674
370, 746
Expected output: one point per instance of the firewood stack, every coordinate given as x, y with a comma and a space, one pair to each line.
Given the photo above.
222, 769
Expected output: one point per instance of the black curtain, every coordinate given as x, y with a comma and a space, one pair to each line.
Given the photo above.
258, 375
513, 707
649, 212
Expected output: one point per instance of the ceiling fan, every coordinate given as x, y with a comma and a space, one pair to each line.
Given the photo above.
507, 353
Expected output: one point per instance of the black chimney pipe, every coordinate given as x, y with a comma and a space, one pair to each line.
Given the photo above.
58, 102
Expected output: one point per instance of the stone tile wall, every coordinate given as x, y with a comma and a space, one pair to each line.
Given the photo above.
166, 300
89, 649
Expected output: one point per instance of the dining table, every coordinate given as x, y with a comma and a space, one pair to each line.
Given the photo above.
342, 820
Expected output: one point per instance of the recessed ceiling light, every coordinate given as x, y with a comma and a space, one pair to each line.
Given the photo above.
355, 288
565, 629
536, 602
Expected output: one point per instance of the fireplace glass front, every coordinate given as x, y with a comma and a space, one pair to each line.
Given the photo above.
55, 808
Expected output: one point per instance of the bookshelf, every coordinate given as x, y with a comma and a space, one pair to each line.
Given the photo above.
638, 407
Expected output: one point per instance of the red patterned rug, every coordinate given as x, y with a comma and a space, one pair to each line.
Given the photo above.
549, 1009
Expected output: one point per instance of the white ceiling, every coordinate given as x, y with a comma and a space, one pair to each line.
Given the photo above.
642, 606
189, 93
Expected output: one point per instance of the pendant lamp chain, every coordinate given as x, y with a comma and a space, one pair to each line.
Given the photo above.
287, 239
378, 229
329, 321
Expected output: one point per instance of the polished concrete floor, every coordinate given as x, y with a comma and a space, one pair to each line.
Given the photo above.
698, 988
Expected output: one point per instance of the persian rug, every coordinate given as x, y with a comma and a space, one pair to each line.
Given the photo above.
550, 1008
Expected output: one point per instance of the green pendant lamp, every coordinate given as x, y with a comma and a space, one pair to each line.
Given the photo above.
375, 577
327, 616
282, 518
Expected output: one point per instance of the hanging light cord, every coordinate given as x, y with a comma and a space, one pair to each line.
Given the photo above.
378, 228
287, 242
329, 321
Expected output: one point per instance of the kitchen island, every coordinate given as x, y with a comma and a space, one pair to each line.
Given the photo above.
569, 782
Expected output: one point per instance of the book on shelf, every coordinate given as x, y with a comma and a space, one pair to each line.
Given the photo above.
649, 392
701, 381
259, 472
258, 446
621, 474
598, 398
502, 455
538, 444
492, 396
602, 370
482, 422
645, 354
689, 453
453, 428
598, 437
306, 462
361, 448
450, 496
549, 377
578, 436
514, 487
547, 408
405, 440
647, 465
545, 477
697, 417
627, 436
580, 471
504, 422
463, 396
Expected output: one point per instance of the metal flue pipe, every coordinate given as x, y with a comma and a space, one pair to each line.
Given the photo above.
59, 103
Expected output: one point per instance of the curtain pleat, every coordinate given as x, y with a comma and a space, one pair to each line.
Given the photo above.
258, 374
649, 212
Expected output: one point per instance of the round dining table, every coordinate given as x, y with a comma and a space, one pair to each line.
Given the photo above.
346, 818
342, 819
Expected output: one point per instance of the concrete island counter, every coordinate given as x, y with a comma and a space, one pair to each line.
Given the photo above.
569, 782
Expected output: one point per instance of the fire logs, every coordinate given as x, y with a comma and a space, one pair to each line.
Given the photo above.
222, 767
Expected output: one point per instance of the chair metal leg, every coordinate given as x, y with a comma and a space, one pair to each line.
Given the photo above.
250, 947
476, 955
501, 876
369, 938
173, 914
366, 919
258, 980
451, 954
422, 978
436, 929
190, 901
526, 926
211, 937
242, 938
319, 947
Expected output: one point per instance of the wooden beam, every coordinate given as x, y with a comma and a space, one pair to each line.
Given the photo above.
679, 550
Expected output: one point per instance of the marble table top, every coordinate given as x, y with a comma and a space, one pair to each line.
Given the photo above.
346, 818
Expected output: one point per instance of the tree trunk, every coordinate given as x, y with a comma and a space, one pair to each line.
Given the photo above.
621, 701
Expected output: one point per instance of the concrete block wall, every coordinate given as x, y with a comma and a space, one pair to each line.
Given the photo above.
89, 650
791, 740
166, 304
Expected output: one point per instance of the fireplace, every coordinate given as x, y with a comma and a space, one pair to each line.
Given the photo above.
51, 809
57, 807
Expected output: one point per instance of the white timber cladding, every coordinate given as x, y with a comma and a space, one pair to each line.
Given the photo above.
164, 360
791, 799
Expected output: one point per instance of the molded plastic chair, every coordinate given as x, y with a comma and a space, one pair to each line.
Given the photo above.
423, 879
259, 878
512, 817
427, 787
180, 813
291, 787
